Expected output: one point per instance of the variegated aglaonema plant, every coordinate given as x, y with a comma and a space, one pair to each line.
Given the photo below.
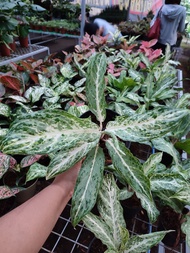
110, 226
68, 139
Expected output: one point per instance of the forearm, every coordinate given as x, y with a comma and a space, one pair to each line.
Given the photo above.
26, 228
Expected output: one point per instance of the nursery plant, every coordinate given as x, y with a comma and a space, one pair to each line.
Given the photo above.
66, 138
110, 226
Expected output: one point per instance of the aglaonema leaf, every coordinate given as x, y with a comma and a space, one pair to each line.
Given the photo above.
48, 131
65, 159
166, 146
35, 171
95, 86
88, 183
5, 110
110, 208
130, 169
183, 145
100, 229
146, 126
110, 226
142, 243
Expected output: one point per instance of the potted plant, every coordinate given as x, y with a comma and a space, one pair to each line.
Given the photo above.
23, 31
7, 33
110, 226
66, 138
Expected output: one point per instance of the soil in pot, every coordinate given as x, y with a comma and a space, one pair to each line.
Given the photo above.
131, 207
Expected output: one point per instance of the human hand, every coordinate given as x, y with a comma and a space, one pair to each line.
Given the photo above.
68, 177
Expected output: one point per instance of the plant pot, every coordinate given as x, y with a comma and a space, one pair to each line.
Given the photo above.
96, 246
27, 193
23, 41
5, 51
13, 46
131, 207
170, 220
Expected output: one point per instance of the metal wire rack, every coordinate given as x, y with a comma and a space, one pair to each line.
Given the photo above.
64, 238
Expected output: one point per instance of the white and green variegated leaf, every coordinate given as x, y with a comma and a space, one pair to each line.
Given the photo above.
80, 82
111, 251
88, 183
35, 171
167, 181
185, 227
145, 60
3, 132
18, 98
183, 101
147, 126
165, 146
131, 171
150, 164
100, 229
149, 205
34, 93
125, 194
122, 109
48, 131
65, 159
95, 86
136, 75
164, 199
110, 208
142, 243
67, 71
128, 166
183, 195
5, 110
63, 88
44, 81
78, 110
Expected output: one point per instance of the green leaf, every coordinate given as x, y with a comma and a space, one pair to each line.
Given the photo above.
183, 195
167, 181
150, 164
131, 171
95, 86
5, 110
168, 147
88, 184
142, 243
147, 126
183, 145
36, 170
65, 159
100, 229
110, 208
47, 131
34, 93
128, 166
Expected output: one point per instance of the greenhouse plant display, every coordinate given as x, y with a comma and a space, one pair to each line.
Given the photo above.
137, 84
